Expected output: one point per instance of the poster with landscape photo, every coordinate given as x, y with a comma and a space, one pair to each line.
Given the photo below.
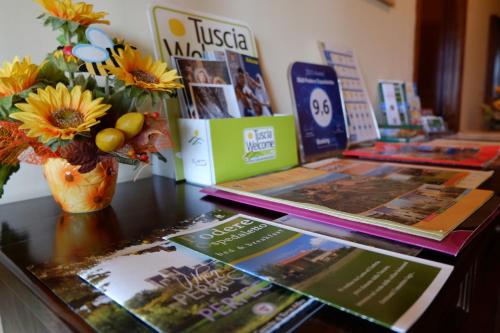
385, 287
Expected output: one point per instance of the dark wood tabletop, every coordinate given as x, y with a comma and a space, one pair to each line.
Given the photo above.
36, 235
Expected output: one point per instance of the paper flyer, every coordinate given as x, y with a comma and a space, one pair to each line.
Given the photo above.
424, 210
318, 110
385, 287
464, 178
178, 290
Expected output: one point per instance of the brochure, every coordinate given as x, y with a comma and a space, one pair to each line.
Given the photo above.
405, 172
476, 156
393, 102
361, 122
198, 71
385, 287
414, 103
318, 110
97, 309
348, 235
425, 210
248, 83
214, 101
451, 244
178, 290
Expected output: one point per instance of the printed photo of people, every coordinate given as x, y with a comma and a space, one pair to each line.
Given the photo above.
213, 101
198, 71
246, 76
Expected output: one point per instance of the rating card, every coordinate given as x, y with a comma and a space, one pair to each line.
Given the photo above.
361, 121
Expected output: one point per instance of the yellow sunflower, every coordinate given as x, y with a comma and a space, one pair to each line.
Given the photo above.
17, 76
142, 72
79, 12
59, 113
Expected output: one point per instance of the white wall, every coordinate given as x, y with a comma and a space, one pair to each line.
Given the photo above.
286, 31
475, 62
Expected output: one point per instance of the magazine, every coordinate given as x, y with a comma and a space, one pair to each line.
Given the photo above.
318, 110
388, 288
248, 83
196, 70
173, 289
425, 210
213, 101
466, 156
405, 172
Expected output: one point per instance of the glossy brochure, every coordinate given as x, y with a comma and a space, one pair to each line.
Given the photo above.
385, 287
470, 155
425, 210
464, 178
451, 244
173, 289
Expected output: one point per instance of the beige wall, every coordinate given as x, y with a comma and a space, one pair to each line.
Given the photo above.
474, 74
286, 31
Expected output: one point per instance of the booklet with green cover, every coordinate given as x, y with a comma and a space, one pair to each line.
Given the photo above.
385, 287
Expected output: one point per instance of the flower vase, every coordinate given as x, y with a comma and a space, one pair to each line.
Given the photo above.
79, 192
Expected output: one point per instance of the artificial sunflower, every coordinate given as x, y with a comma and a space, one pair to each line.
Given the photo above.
142, 72
17, 76
59, 113
79, 12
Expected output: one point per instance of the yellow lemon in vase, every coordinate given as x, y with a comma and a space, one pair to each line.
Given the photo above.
109, 139
131, 124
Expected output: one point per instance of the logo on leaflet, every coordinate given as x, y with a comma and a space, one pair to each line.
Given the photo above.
260, 144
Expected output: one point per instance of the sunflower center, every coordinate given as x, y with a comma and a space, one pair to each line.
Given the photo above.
66, 118
143, 76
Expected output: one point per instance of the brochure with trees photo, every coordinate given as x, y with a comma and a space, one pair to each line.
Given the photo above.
385, 287
477, 156
173, 289
405, 172
425, 210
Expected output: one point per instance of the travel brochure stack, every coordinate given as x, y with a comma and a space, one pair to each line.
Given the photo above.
354, 227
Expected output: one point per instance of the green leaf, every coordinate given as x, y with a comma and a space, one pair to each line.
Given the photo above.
62, 39
73, 26
155, 98
5, 107
135, 92
5, 172
56, 23
41, 16
49, 72
141, 99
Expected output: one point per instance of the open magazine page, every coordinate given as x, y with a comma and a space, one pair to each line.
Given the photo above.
405, 172
467, 156
177, 290
385, 287
425, 210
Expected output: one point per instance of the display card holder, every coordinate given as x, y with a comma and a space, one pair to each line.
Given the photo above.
219, 150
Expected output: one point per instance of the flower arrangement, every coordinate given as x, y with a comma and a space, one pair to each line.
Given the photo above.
81, 111
492, 112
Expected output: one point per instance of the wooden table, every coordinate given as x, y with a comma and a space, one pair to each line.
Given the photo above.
35, 231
